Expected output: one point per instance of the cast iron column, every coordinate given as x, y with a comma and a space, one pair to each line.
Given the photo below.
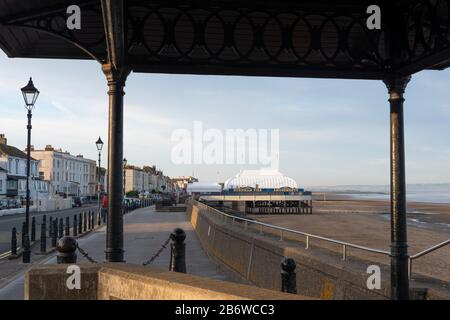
27, 207
26, 248
399, 247
114, 234
98, 184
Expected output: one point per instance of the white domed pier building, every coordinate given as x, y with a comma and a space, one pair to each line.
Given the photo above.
262, 192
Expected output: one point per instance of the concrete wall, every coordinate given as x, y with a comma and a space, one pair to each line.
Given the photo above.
133, 282
256, 260
45, 204
57, 203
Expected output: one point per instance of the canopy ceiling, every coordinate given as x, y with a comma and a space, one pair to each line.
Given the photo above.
321, 38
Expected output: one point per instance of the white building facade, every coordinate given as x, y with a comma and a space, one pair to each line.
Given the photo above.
13, 174
138, 179
68, 174
3, 179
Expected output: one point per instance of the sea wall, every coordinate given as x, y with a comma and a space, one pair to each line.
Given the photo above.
115, 281
255, 259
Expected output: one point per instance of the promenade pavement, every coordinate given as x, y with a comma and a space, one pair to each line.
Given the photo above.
145, 230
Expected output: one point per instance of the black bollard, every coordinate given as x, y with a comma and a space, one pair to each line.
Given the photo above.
178, 251
91, 220
14, 242
54, 232
80, 223
99, 218
61, 228
43, 238
26, 254
50, 227
75, 226
55, 227
84, 222
33, 229
23, 233
67, 247
44, 219
67, 229
288, 276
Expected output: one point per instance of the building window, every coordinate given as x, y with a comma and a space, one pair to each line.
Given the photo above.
11, 185
17, 166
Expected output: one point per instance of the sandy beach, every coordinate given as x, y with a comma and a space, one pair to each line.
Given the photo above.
367, 223
420, 214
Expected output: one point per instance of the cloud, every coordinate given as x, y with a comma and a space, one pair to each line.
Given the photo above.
63, 109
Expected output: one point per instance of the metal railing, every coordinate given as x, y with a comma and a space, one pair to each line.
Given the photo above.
424, 252
344, 245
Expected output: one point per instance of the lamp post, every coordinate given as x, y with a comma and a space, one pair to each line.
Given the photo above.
124, 174
99, 144
30, 95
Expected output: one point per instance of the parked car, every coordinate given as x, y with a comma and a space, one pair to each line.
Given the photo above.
131, 201
3, 204
14, 204
76, 202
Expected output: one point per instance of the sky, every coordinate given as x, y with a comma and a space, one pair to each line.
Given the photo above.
331, 132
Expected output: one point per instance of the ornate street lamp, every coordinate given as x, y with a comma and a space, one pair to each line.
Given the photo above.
30, 95
99, 144
124, 174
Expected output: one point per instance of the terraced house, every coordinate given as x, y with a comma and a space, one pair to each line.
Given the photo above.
13, 165
68, 174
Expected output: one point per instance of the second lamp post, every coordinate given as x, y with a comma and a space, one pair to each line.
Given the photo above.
99, 144
30, 95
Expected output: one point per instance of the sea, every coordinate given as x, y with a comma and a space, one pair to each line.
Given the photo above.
423, 192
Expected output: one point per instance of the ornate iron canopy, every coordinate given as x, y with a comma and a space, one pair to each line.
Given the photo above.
321, 38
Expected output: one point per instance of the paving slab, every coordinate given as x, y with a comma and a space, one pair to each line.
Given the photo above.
145, 230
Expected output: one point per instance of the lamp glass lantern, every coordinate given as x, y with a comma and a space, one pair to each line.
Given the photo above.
99, 144
30, 95
124, 162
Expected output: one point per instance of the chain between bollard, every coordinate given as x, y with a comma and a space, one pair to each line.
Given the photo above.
85, 254
156, 255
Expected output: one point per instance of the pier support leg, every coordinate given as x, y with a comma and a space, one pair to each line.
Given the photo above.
399, 245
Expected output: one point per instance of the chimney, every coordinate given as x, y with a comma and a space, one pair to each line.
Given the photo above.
3, 139
48, 147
